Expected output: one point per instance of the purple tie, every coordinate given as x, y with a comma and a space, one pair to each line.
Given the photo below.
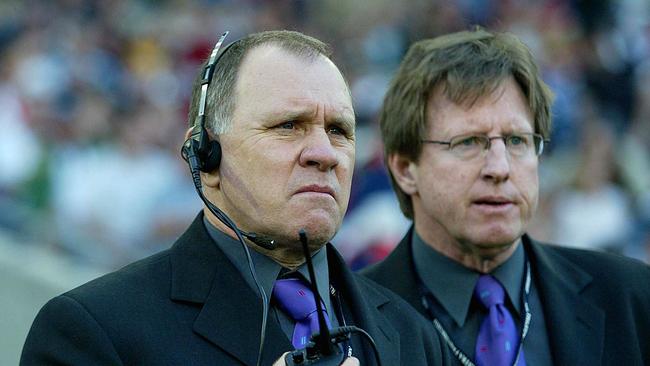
296, 299
497, 342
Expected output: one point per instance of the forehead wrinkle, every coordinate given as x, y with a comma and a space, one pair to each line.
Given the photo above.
278, 103
292, 113
439, 104
343, 116
298, 110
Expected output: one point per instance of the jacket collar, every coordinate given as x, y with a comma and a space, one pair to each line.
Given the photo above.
202, 274
398, 273
365, 302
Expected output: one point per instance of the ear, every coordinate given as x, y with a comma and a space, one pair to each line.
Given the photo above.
188, 133
405, 173
209, 179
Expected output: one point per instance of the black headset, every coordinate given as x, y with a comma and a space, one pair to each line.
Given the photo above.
204, 155
198, 150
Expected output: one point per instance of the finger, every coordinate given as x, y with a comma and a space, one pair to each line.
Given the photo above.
351, 361
280, 361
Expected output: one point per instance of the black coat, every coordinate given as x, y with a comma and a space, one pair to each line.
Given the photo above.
190, 306
596, 305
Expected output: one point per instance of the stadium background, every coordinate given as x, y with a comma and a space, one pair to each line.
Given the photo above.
93, 103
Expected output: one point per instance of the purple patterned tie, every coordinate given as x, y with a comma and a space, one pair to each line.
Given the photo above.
497, 342
296, 299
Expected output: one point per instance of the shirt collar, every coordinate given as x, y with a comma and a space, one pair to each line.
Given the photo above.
267, 270
453, 284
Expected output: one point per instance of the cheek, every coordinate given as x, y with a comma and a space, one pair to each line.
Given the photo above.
345, 170
534, 194
345, 185
440, 189
453, 186
454, 181
528, 185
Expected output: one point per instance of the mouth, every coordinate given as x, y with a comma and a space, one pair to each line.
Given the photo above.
493, 202
489, 201
316, 189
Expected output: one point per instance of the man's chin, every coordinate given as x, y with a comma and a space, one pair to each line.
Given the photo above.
495, 236
492, 249
319, 226
318, 235
494, 246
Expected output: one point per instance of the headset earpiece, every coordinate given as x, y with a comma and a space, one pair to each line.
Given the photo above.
201, 153
209, 152
210, 156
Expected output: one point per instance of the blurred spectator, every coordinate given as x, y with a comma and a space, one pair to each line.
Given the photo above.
113, 201
93, 105
594, 212
20, 153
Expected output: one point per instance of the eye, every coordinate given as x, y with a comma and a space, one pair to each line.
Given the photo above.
517, 140
468, 141
336, 130
288, 125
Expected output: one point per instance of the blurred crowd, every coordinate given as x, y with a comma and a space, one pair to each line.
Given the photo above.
94, 94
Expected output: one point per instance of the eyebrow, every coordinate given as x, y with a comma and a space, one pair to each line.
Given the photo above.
344, 119
286, 114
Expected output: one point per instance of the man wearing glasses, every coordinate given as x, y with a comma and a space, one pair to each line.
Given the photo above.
464, 124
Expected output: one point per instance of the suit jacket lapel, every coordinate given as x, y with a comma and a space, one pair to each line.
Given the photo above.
235, 326
575, 326
201, 273
365, 310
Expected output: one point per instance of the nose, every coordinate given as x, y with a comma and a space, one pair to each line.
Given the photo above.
318, 151
497, 162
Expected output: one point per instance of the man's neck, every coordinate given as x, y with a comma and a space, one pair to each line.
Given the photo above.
483, 264
482, 261
286, 255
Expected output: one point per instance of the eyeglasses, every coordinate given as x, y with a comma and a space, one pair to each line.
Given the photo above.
468, 146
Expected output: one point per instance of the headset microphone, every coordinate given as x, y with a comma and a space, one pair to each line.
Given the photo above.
323, 349
262, 241
204, 155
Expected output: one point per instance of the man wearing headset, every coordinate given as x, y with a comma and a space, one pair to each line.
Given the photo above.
271, 144
464, 124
